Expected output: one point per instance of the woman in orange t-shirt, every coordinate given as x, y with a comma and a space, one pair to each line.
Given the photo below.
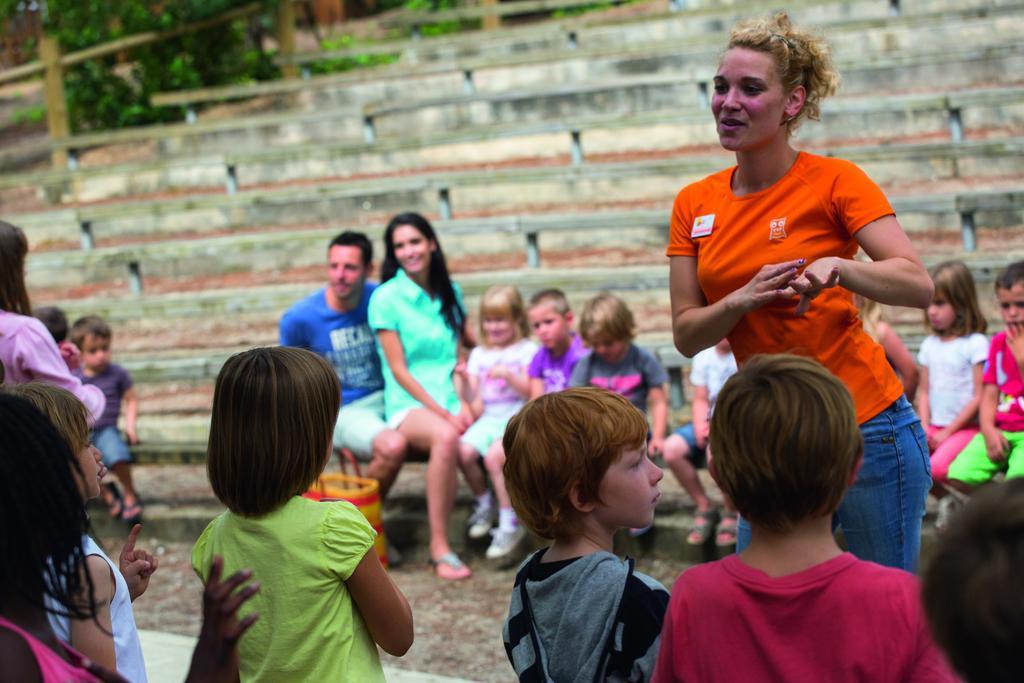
757, 252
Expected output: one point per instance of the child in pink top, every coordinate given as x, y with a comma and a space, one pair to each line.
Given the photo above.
27, 351
792, 606
1000, 446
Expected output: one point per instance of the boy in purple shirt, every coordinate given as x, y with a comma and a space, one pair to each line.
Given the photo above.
551, 320
93, 336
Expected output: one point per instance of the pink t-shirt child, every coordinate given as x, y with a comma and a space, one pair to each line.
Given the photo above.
842, 620
52, 668
1001, 370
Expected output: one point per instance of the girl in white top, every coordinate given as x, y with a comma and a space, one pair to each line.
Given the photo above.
497, 385
111, 639
951, 360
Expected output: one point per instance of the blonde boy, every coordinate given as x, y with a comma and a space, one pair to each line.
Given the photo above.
792, 606
551, 321
616, 363
577, 471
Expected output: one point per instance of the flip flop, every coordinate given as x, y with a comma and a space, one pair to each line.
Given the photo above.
449, 567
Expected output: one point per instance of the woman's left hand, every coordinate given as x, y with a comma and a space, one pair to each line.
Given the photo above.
819, 275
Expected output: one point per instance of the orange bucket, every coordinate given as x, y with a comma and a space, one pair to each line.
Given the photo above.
362, 492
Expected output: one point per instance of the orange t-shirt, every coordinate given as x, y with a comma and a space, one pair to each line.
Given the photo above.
811, 212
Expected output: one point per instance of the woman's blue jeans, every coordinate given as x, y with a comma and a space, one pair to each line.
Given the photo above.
881, 513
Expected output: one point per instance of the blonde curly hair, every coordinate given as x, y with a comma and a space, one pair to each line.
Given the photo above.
802, 58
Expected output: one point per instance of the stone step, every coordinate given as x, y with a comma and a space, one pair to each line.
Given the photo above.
902, 170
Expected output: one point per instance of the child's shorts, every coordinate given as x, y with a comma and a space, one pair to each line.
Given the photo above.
482, 433
697, 455
111, 445
973, 466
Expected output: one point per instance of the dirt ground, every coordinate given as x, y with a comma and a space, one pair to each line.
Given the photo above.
458, 625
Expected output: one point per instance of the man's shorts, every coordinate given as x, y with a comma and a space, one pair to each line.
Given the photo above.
697, 455
482, 433
359, 423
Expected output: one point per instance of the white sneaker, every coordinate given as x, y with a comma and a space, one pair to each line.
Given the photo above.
504, 542
480, 522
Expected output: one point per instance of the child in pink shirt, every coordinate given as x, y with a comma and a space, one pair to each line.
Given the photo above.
792, 606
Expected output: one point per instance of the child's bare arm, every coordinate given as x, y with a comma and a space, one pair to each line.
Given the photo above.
536, 387
924, 408
657, 400
699, 408
131, 414
996, 444
93, 637
897, 353
382, 605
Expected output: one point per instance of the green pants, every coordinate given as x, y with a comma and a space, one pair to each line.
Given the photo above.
973, 466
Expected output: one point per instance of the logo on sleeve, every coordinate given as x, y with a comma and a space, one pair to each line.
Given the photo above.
777, 229
702, 225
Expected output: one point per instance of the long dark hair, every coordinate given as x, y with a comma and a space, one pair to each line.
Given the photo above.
42, 516
438, 278
13, 249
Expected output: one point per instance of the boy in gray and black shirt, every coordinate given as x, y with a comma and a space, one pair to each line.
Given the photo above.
577, 470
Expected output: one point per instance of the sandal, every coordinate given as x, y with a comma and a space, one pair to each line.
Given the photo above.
132, 512
703, 525
112, 497
726, 533
449, 567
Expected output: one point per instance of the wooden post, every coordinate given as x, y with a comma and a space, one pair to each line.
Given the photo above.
53, 90
286, 36
491, 22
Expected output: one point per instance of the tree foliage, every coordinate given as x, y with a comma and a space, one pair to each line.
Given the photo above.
109, 92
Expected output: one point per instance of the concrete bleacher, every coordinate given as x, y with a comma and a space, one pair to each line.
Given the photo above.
559, 169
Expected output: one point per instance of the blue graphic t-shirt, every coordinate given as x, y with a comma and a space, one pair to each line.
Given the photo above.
344, 339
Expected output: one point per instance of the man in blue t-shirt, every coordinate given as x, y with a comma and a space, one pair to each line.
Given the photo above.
332, 323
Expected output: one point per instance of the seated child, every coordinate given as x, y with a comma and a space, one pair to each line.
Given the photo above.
93, 336
111, 637
685, 450
577, 471
1000, 445
974, 586
792, 606
617, 364
560, 348
498, 386
325, 602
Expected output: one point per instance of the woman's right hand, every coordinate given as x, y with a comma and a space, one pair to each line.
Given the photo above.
771, 283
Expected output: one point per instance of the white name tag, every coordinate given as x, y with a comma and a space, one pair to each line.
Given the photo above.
703, 225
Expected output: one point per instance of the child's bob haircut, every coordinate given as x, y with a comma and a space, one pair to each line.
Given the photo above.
554, 298
504, 301
274, 411
563, 441
785, 440
90, 325
607, 316
61, 407
955, 284
1010, 275
973, 588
